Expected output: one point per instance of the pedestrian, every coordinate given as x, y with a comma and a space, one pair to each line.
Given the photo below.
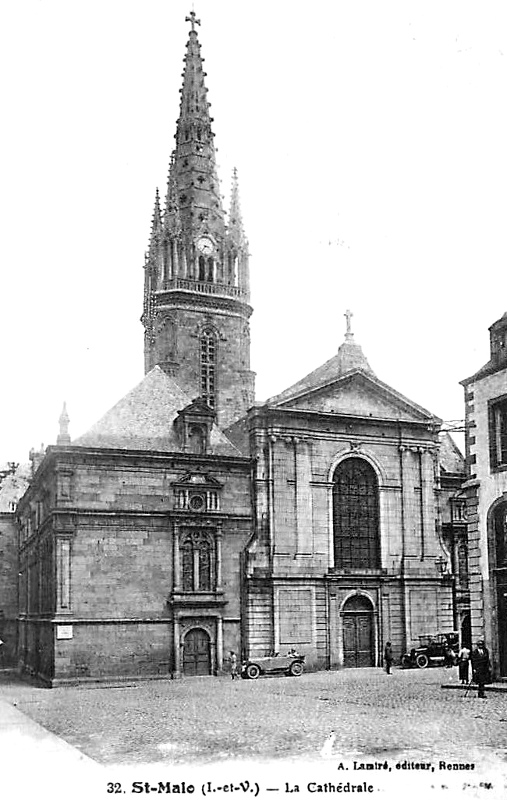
449, 657
388, 657
463, 663
481, 668
234, 664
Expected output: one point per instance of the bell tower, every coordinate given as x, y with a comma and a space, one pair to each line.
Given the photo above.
196, 291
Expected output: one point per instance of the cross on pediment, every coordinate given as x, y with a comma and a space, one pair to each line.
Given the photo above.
348, 316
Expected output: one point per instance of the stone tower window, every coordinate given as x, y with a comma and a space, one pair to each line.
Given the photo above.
208, 367
202, 268
356, 515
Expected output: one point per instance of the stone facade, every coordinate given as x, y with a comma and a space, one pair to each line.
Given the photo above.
486, 489
339, 603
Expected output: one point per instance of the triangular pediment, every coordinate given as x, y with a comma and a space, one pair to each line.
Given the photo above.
358, 394
198, 408
201, 479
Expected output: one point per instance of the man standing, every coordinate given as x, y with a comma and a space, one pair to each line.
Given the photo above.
234, 664
463, 662
481, 667
388, 657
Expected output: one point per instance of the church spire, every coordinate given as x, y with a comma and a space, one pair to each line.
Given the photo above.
196, 284
194, 165
156, 224
236, 232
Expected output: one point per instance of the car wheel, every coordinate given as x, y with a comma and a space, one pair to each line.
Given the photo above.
406, 662
296, 669
422, 661
253, 671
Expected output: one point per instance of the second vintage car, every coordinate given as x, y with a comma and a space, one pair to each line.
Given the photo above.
433, 651
291, 664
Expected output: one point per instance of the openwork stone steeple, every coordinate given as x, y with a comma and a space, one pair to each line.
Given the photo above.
197, 266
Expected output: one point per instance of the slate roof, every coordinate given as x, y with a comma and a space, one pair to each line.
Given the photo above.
450, 456
349, 357
489, 368
494, 364
143, 420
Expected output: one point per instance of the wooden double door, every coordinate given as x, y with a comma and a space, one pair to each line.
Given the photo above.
358, 634
197, 653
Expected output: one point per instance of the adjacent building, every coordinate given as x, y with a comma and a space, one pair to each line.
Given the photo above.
14, 479
486, 492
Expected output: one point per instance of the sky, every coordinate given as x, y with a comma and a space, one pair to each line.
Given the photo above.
369, 140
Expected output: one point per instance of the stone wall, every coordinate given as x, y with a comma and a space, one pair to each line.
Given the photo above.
114, 524
8, 589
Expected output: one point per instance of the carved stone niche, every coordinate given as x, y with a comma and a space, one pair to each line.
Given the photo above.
64, 485
197, 492
193, 426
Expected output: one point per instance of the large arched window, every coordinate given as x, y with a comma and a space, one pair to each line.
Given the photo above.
208, 367
356, 516
196, 562
500, 527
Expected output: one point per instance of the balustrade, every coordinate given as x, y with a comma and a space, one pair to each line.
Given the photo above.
187, 284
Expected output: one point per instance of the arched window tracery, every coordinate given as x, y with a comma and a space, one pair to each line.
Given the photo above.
197, 562
356, 534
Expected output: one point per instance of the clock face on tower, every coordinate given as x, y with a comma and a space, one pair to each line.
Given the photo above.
205, 245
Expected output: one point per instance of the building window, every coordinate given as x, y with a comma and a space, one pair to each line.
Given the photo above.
498, 433
197, 562
462, 563
208, 367
196, 440
500, 526
356, 516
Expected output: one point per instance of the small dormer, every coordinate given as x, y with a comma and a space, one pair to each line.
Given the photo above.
193, 425
197, 492
498, 341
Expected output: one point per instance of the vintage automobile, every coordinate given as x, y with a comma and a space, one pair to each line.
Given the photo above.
291, 664
433, 651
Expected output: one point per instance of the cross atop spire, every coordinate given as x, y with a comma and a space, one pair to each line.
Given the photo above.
192, 19
348, 333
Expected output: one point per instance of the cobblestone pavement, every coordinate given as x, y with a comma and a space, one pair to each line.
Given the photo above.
351, 714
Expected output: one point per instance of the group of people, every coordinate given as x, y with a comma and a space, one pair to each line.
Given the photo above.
478, 658
481, 666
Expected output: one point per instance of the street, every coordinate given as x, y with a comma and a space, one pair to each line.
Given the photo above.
361, 713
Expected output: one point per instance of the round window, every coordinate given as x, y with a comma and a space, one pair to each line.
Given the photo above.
197, 502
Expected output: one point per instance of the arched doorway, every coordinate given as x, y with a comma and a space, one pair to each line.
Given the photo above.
499, 520
196, 653
358, 633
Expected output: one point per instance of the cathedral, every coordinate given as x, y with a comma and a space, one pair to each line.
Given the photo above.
191, 520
